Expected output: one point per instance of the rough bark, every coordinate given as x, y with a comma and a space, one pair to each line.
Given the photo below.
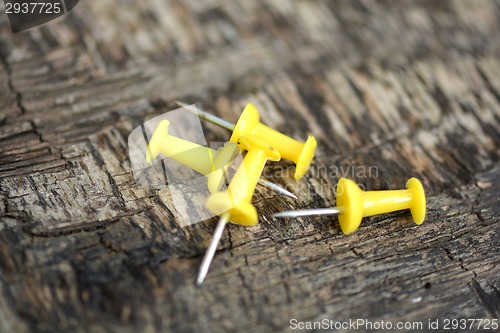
410, 88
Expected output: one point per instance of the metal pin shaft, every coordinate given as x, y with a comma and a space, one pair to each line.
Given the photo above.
209, 255
308, 212
209, 117
277, 188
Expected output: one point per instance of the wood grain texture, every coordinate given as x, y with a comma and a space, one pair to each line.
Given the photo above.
406, 88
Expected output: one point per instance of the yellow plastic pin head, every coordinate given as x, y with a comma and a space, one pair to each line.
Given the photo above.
156, 143
237, 198
355, 203
300, 153
242, 212
417, 205
204, 160
350, 202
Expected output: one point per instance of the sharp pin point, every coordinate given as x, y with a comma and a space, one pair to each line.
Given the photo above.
209, 117
277, 188
212, 248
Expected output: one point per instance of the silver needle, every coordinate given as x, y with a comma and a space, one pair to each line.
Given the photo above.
271, 186
209, 255
219, 230
276, 188
209, 117
308, 212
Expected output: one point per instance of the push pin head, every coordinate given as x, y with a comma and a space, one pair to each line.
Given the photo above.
236, 200
243, 212
299, 152
417, 205
353, 204
156, 143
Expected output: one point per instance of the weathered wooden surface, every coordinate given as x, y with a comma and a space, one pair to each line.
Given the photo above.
411, 88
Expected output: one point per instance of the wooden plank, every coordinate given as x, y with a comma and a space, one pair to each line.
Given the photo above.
389, 89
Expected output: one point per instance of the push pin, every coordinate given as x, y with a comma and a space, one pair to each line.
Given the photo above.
301, 153
238, 196
234, 203
209, 162
353, 204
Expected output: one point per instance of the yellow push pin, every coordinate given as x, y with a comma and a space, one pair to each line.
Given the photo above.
234, 204
353, 204
209, 162
301, 153
237, 198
